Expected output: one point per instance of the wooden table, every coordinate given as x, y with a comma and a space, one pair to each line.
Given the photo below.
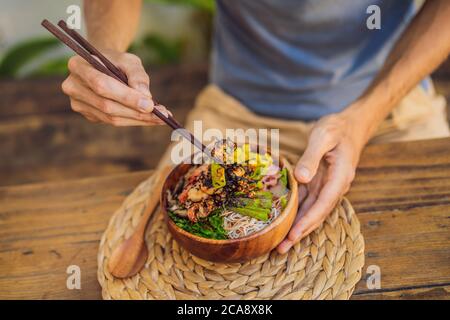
401, 195
53, 143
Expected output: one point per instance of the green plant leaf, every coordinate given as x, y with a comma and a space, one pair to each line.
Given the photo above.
57, 66
164, 51
210, 227
205, 5
284, 177
24, 52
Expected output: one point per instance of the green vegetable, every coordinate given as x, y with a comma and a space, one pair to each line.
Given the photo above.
259, 185
216, 221
210, 227
265, 195
259, 207
256, 174
254, 212
253, 203
218, 175
283, 201
283, 177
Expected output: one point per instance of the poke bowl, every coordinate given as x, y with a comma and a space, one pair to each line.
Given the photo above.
231, 211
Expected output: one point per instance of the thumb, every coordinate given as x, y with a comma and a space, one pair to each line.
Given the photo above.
137, 76
317, 147
139, 80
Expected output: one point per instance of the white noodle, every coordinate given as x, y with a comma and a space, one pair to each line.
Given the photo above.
237, 225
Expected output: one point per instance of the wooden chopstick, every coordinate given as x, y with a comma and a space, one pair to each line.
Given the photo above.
92, 50
85, 54
84, 49
78, 50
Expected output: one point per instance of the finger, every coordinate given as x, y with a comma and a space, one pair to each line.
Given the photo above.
76, 89
334, 187
163, 110
287, 243
91, 112
313, 190
302, 193
138, 77
307, 196
320, 142
306, 205
284, 246
307, 200
126, 122
91, 118
136, 74
109, 87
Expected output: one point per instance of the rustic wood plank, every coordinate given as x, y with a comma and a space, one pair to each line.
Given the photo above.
52, 143
400, 195
55, 147
411, 247
38, 115
443, 88
47, 227
169, 84
443, 72
433, 292
402, 176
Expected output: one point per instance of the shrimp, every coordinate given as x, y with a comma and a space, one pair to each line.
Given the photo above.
183, 196
196, 173
200, 210
196, 195
191, 191
192, 212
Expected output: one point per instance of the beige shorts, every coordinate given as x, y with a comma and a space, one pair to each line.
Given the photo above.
420, 115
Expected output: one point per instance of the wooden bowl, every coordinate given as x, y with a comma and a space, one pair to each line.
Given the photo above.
233, 250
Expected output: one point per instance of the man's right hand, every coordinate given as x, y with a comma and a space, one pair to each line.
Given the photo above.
101, 98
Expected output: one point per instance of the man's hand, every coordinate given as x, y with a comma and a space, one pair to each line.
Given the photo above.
327, 167
325, 172
101, 98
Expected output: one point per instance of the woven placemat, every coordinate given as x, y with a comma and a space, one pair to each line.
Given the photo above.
325, 265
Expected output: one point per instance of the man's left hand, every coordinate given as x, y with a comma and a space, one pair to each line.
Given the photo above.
325, 172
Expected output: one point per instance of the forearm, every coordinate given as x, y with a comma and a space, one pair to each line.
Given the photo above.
328, 165
112, 24
423, 46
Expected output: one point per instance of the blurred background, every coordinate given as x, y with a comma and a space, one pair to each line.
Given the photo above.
171, 32
41, 139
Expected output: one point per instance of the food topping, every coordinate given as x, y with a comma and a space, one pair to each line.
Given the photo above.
213, 196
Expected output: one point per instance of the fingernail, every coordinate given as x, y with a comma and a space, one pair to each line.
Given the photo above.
284, 247
143, 88
145, 103
303, 173
163, 111
294, 236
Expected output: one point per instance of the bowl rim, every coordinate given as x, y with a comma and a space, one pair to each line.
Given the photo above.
293, 187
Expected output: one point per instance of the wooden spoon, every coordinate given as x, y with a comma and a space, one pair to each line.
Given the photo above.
129, 257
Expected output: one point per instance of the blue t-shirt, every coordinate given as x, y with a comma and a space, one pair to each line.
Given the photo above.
301, 59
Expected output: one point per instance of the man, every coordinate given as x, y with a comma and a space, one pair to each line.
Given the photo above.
313, 67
